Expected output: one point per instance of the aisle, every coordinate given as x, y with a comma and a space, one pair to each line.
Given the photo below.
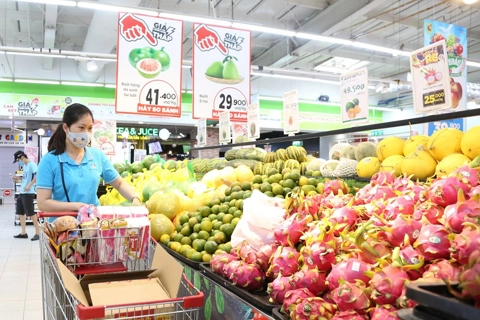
20, 277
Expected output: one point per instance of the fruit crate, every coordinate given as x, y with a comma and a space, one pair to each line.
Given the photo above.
436, 301
258, 299
192, 264
278, 315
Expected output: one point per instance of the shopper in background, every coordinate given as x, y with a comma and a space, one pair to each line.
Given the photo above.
69, 174
25, 206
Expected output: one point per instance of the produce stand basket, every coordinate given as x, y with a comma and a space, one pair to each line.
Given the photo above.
258, 299
192, 264
58, 303
278, 315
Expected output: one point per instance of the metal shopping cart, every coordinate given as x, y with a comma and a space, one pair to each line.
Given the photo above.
58, 303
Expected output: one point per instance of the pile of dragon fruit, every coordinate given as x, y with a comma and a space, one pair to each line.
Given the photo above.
339, 256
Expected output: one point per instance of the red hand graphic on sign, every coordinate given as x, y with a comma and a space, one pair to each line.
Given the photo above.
132, 28
207, 39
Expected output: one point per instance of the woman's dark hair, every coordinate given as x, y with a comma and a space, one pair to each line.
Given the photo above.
72, 114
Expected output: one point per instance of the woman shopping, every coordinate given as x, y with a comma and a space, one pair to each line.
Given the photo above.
69, 175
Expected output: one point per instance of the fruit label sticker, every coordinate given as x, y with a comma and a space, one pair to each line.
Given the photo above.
455, 38
430, 81
354, 96
253, 118
239, 133
224, 135
149, 66
291, 123
221, 72
104, 136
202, 132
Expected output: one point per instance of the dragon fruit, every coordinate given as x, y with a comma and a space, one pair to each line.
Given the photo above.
410, 260
383, 178
335, 186
429, 212
403, 226
387, 285
466, 175
247, 276
465, 243
385, 312
294, 297
469, 280
290, 231
318, 255
417, 191
442, 269
349, 315
362, 194
264, 254
350, 271
400, 205
444, 191
351, 296
245, 252
463, 211
433, 242
312, 279
376, 249
402, 183
404, 302
278, 288
313, 308
230, 267
474, 191
285, 260
345, 217
219, 260
375, 208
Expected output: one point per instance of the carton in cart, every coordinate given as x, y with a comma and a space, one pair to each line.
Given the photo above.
160, 283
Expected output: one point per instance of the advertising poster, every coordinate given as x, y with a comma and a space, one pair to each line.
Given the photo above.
456, 55
149, 65
431, 127
239, 132
224, 134
32, 153
202, 132
430, 80
221, 72
291, 123
354, 96
104, 136
253, 119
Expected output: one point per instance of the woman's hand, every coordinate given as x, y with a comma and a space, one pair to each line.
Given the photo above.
136, 202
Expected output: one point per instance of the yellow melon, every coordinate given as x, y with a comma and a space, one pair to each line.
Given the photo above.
470, 144
367, 167
392, 163
390, 146
413, 143
450, 163
445, 142
419, 165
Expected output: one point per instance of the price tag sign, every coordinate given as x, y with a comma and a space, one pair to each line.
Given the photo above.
253, 116
221, 72
224, 134
430, 78
291, 122
202, 132
431, 127
239, 132
354, 96
149, 66
105, 136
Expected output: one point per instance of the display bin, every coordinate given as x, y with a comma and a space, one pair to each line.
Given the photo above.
278, 315
193, 264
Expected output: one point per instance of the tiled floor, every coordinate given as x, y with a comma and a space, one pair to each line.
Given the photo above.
20, 277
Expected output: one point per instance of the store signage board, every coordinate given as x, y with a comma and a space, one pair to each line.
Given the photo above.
456, 55
14, 139
149, 65
291, 123
224, 134
221, 72
202, 132
239, 132
432, 127
104, 136
354, 96
430, 80
253, 119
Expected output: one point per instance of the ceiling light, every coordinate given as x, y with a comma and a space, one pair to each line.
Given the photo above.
114, 8
40, 131
39, 54
252, 27
323, 38
469, 1
36, 81
113, 86
221, 23
372, 47
281, 76
81, 84
473, 64
91, 66
186, 67
140, 122
54, 2
379, 87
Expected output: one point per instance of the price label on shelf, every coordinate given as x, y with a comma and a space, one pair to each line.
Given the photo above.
354, 96
149, 66
224, 134
202, 132
431, 127
291, 123
253, 121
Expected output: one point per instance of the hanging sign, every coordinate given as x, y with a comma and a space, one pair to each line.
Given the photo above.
104, 136
221, 72
430, 80
291, 123
354, 96
239, 132
224, 135
253, 119
432, 127
149, 65
202, 132
456, 53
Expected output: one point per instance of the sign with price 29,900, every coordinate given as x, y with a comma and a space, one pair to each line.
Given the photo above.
149, 66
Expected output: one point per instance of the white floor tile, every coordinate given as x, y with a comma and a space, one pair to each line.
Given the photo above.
12, 295
33, 314
16, 305
18, 279
33, 295
33, 304
14, 315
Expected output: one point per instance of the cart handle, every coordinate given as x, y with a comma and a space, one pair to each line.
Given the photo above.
56, 214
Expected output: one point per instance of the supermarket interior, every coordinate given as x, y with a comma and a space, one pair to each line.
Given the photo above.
243, 159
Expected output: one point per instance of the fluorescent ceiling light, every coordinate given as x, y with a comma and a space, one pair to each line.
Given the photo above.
380, 48
340, 65
252, 27
40, 54
469, 1
81, 84
385, 109
112, 86
323, 38
91, 66
186, 67
54, 2
281, 76
114, 8
36, 81
473, 64
6, 79
221, 23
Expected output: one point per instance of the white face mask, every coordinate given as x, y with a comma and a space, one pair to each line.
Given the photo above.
79, 140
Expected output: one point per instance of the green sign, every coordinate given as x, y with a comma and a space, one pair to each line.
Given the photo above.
138, 131
297, 143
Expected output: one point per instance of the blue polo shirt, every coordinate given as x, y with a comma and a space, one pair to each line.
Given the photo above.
81, 180
29, 171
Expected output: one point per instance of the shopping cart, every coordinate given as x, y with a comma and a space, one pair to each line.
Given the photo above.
58, 303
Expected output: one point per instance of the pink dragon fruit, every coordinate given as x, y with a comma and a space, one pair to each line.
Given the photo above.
278, 288
411, 261
246, 252
469, 280
385, 312
383, 178
429, 212
334, 186
442, 269
285, 260
219, 260
387, 285
313, 308
402, 183
417, 191
463, 211
294, 297
345, 217
264, 254
403, 226
362, 194
290, 231
312, 279
433, 242
376, 249
465, 243
230, 267
318, 255
444, 191
404, 302
247, 276
336, 201
466, 175
351, 296
375, 208
381, 193
474, 191
400, 205
349, 315
350, 271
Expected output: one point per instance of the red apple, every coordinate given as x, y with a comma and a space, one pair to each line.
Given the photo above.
457, 93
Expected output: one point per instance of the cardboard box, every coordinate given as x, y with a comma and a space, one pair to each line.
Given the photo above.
161, 282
